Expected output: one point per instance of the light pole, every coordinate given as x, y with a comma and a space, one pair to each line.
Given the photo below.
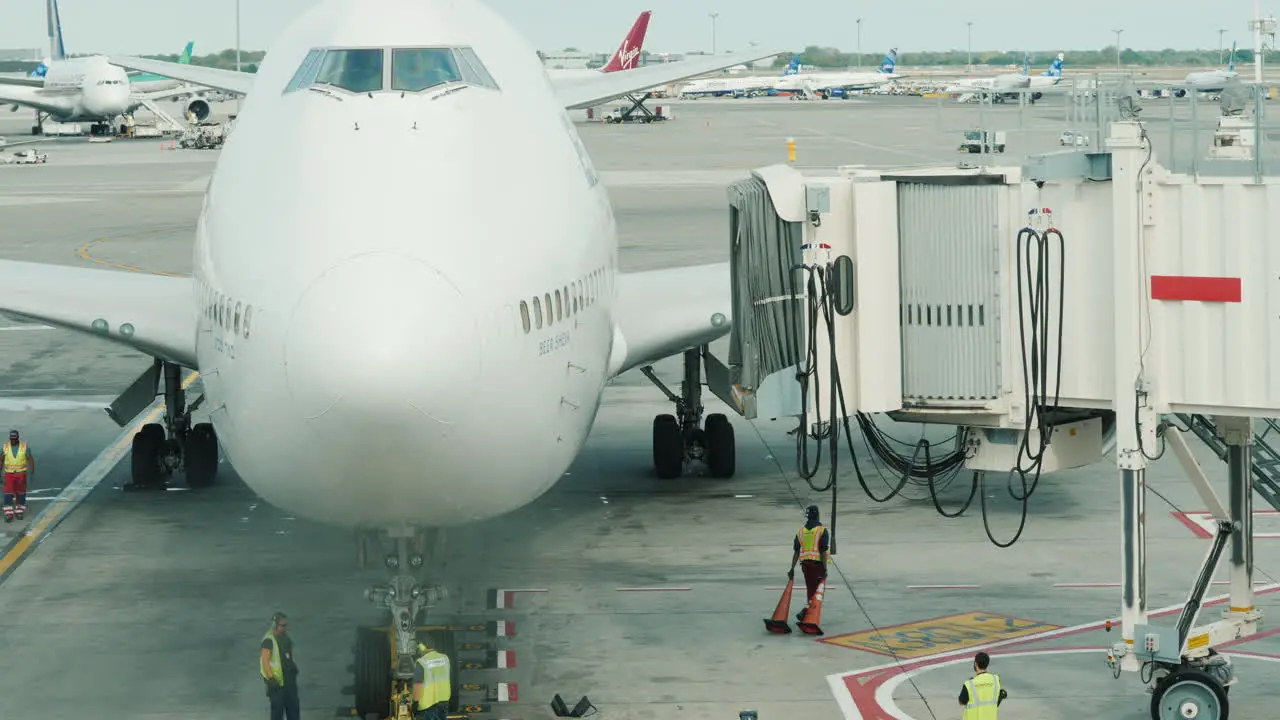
713, 32
1220, 32
1117, 32
859, 43
970, 23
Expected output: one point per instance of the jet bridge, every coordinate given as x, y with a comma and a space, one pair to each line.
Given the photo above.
1052, 311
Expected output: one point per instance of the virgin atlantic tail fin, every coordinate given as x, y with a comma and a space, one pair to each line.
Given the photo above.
628, 54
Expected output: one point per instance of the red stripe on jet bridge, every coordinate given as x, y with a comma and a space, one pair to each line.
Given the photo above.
1198, 289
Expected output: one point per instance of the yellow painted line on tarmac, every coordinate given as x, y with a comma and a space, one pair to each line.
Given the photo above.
942, 634
79, 489
84, 254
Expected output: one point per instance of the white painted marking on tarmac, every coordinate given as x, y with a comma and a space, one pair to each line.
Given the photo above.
845, 700
943, 587
654, 589
884, 693
1085, 585
23, 404
1205, 521
24, 328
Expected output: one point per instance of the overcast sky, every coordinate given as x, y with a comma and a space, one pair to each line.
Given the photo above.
164, 26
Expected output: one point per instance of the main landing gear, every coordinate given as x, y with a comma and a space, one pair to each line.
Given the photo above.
176, 446
678, 439
385, 655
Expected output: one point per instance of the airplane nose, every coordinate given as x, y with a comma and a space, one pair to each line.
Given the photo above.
382, 346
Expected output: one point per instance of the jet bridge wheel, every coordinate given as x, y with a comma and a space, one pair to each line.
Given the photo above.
721, 452
373, 672
1189, 694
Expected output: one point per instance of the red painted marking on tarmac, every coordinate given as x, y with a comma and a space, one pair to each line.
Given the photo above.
1255, 636
1192, 525
862, 685
508, 692
656, 589
1195, 289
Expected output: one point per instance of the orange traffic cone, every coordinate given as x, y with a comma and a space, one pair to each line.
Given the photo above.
812, 615
778, 623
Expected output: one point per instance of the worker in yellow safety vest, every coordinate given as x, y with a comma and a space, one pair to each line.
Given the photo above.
811, 550
432, 687
19, 466
981, 695
278, 670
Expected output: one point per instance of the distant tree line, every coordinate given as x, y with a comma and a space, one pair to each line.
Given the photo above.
825, 57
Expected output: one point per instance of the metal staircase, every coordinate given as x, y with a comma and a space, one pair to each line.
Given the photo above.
1266, 461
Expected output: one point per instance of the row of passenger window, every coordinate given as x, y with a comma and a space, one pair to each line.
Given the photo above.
361, 70
562, 304
225, 313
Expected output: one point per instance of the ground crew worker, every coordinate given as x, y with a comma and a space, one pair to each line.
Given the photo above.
432, 687
982, 694
810, 549
278, 669
19, 466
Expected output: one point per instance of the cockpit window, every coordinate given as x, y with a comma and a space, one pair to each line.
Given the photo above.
415, 69
362, 70
473, 71
355, 70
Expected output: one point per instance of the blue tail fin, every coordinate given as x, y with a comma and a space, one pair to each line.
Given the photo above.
1055, 68
1231, 61
890, 61
793, 67
57, 50
41, 70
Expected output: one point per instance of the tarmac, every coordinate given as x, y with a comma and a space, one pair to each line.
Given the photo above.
646, 596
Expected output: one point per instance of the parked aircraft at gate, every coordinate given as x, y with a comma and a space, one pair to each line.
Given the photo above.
626, 57
412, 268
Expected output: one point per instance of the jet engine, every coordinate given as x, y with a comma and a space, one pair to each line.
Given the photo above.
200, 108
1179, 93
1036, 96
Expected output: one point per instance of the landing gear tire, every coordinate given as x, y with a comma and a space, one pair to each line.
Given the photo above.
1185, 694
201, 456
148, 451
721, 452
372, 673
668, 447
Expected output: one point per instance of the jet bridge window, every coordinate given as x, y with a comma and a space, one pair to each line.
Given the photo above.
357, 70
418, 69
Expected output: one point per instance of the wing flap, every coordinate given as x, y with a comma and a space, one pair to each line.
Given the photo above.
229, 80
151, 313
587, 92
664, 312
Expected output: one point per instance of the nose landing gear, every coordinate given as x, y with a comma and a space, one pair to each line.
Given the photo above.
386, 655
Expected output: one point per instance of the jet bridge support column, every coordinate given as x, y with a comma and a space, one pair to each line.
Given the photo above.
1135, 421
1238, 434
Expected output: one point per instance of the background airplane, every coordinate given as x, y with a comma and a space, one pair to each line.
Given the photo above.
1008, 85
1206, 80
626, 57
84, 89
828, 84
722, 85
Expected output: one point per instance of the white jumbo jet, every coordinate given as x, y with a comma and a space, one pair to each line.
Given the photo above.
439, 281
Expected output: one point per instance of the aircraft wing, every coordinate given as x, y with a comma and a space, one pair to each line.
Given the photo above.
664, 312
22, 81
587, 92
29, 97
151, 313
229, 80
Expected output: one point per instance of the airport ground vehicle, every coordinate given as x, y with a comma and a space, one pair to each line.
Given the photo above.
976, 141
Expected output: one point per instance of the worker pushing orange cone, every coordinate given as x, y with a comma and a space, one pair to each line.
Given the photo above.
778, 623
813, 613
812, 552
